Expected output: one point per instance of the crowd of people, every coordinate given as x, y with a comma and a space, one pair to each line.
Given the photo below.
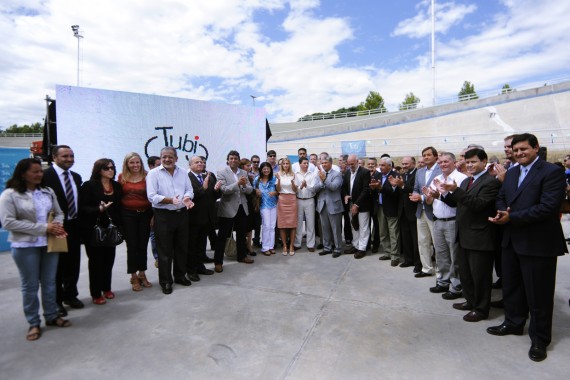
450, 218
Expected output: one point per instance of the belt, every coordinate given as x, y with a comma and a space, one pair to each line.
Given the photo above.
167, 210
137, 211
305, 198
444, 219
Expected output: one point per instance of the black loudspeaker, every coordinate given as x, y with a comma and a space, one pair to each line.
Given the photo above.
50, 131
542, 153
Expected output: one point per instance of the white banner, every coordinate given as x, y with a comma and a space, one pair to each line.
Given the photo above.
109, 124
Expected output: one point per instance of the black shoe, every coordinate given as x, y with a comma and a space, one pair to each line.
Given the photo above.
451, 295
183, 281
384, 257
375, 250
256, 244
406, 265
320, 246
61, 312
422, 274
504, 329
208, 260
74, 303
498, 304
252, 253
537, 353
350, 251
348, 242
438, 289
193, 277
336, 254
498, 284
205, 271
462, 306
324, 252
166, 288
417, 269
359, 254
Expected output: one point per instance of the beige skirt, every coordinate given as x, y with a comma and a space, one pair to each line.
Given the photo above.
287, 211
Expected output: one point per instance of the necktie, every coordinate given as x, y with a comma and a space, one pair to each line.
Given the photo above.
524, 172
471, 180
200, 179
71, 209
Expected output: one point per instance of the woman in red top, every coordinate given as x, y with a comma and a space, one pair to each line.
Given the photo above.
136, 214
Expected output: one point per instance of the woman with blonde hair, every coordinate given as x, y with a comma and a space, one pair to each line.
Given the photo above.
136, 212
287, 205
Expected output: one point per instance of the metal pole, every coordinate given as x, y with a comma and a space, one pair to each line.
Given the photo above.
433, 48
76, 34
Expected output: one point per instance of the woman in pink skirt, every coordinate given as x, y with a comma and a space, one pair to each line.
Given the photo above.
287, 205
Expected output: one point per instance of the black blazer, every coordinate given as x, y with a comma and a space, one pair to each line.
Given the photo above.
390, 196
534, 228
51, 179
91, 196
360, 188
409, 207
474, 207
204, 210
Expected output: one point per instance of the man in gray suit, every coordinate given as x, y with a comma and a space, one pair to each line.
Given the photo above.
329, 206
232, 210
424, 211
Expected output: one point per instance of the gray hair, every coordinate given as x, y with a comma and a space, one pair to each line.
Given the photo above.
170, 149
326, 157
387, 160
450, 155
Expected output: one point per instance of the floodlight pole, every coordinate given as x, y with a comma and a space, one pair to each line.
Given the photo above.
253, 99
433, 49
76, 34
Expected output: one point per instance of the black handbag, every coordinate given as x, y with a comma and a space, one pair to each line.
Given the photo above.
108, 236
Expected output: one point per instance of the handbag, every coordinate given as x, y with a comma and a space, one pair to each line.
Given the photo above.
55, 244
230, 250
109, 236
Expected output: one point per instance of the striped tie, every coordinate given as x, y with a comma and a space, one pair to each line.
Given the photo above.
71, 210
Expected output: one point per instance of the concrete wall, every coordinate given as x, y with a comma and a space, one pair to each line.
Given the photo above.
544, 111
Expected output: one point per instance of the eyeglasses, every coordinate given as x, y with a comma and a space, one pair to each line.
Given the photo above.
108, 168
255, 162
271, 155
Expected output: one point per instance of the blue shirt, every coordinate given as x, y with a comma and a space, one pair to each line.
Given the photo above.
267, 201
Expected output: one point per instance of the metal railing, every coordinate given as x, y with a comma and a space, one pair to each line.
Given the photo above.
438, 102
6, 134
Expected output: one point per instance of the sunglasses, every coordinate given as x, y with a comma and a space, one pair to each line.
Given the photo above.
271, 155
255, 162
108, 168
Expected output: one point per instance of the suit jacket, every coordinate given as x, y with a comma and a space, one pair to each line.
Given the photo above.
360, 195
534, 228
329, 193
409, 207
92, 193
232, 194
419, 184
204, 210
474, 207
51, 179
390, 195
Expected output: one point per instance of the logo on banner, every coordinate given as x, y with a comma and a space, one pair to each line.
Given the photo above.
185, 144
354, 147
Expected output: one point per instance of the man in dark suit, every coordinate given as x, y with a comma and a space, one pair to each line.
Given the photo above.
408, 220
66, 185
424, 211
528, 206
476, 237
356, 194
201, 217
374, 240
387, 198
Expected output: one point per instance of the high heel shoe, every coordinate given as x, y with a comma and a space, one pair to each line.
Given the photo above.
292, 251
135, 282
144, 281
285, 253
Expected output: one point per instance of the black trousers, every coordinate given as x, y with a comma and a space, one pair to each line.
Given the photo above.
528, 286
346, 226
171, 234
409, 236
69, 263
476, 273
101, 261
136, 226
374, 240
238, 224
197, 243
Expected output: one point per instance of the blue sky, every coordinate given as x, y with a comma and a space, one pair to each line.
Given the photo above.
297, 56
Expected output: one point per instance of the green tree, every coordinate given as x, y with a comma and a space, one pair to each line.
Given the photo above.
467, 92
410, 102
34, 128
506, 89
373, 101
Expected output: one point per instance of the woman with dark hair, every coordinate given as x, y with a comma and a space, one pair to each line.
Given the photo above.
264, 186
287, 205
24, 209
136, 213
245, 164
100, 198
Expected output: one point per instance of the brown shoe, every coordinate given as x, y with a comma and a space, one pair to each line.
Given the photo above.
246, 260
359, 254
218, 268
144, 281
462, 306
473, 316
135, 282
311, 249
